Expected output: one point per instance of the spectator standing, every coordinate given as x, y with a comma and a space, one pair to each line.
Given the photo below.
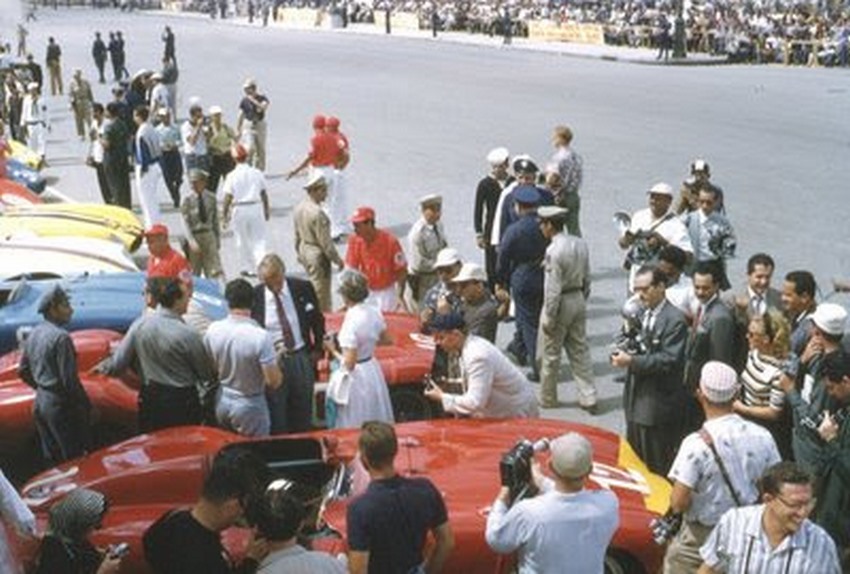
177, 372
222, 138
96, 151
359, 390
170, 74
716, 468
424, 241
251, 123
49, 365
34, 120
171, 162
246, 200
519, 268
22, 40
479, 308
158, 96
279, 522
651, 230
378, 255
833, 504
798, 302
492, 387
65, 547
53, 59
564, 525
164, 261
680, 287
115, 159
99, 54
15, 514
148, 173
486, 199
712, 336
322, 158
774, 536
193, 134
199, 212
570, 167
168, 41
35, 71
14, 108
700, 178
388, 523
313, 244
711, 234
654, 397
563, 317
246, 362
189, 540
288, 309
339, 199
116, 56
79, 90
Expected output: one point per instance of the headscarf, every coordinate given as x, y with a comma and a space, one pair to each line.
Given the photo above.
75, 515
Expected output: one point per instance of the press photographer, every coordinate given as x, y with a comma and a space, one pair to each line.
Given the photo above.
565, 524
654, 396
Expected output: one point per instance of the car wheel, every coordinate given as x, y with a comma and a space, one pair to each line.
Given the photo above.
620, 562
409, 404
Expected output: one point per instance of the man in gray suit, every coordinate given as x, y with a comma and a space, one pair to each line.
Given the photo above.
713, 336
754, 301
654, 396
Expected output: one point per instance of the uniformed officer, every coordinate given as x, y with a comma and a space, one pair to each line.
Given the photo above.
49, 365
563, 320
313, 244
425, 240
519, 268
200, 221
82, 99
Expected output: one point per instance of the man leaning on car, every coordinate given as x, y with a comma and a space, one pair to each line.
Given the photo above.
566, 525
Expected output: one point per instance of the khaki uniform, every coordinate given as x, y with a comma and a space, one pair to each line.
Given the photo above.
563, 319
205, 232
424, 242
81, 103
315, 248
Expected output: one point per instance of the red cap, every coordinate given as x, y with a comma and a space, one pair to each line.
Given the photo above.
239, 152
362, 214
157, 229
332, 122
319, 122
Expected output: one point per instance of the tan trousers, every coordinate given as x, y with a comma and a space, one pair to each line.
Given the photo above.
55, 71
206, 259
567, 331
319, 273
682, 556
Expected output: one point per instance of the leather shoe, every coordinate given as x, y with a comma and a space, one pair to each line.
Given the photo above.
590, 409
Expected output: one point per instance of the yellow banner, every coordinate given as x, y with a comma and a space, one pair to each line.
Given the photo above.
550, 31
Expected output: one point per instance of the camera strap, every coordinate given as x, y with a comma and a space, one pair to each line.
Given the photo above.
706, 437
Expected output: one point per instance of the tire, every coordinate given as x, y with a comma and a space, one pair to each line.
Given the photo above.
409, 404
620, 562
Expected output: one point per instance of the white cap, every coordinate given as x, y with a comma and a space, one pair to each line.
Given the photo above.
498, 156
830, 318
718, 382
447, 257
572, 456
551, 212
661, 188
470, 272
214, 110
430, 199
315, 179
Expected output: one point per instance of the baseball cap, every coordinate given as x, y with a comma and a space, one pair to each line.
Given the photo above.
571, 455
362, 214
718, 382
156, 229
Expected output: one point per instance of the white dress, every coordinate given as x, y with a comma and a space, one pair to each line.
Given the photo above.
368, 395
13, 514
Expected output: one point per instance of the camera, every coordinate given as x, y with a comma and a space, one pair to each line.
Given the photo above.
118, 550
666, 527
515, 467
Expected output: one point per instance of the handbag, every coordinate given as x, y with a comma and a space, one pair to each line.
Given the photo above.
339, 386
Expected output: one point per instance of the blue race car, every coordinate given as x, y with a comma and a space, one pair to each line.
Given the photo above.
19, 172
100, 301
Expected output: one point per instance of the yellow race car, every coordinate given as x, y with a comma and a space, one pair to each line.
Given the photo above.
78, 219
24, 155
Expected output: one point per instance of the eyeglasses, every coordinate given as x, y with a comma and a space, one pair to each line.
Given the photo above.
807, 505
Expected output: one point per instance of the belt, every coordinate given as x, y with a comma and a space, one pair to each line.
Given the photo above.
290, 352
569, 290
199, 231
365, 360
245, 203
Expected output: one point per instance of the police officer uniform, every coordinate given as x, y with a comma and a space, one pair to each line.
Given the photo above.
424, 242
200, 216
563, 320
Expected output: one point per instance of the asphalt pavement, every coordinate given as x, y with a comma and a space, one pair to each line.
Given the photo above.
422, 113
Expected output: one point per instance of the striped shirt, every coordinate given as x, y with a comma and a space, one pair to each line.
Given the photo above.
738, 544
760, 382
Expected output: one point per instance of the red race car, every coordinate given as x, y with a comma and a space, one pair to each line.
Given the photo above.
145, 476
404, 363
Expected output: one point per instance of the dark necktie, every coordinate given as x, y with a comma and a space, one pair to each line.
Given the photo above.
202, 209
285, 327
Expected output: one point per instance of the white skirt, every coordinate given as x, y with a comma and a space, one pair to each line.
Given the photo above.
368, 397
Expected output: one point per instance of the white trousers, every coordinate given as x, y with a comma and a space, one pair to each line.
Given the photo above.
340, 209
148, 185
384, 299
37, 138
249, 228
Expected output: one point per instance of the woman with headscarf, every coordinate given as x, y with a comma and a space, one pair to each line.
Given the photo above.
358, 389
13, 513
65, 547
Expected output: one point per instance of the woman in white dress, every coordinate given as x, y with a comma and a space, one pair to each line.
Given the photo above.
359, 389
